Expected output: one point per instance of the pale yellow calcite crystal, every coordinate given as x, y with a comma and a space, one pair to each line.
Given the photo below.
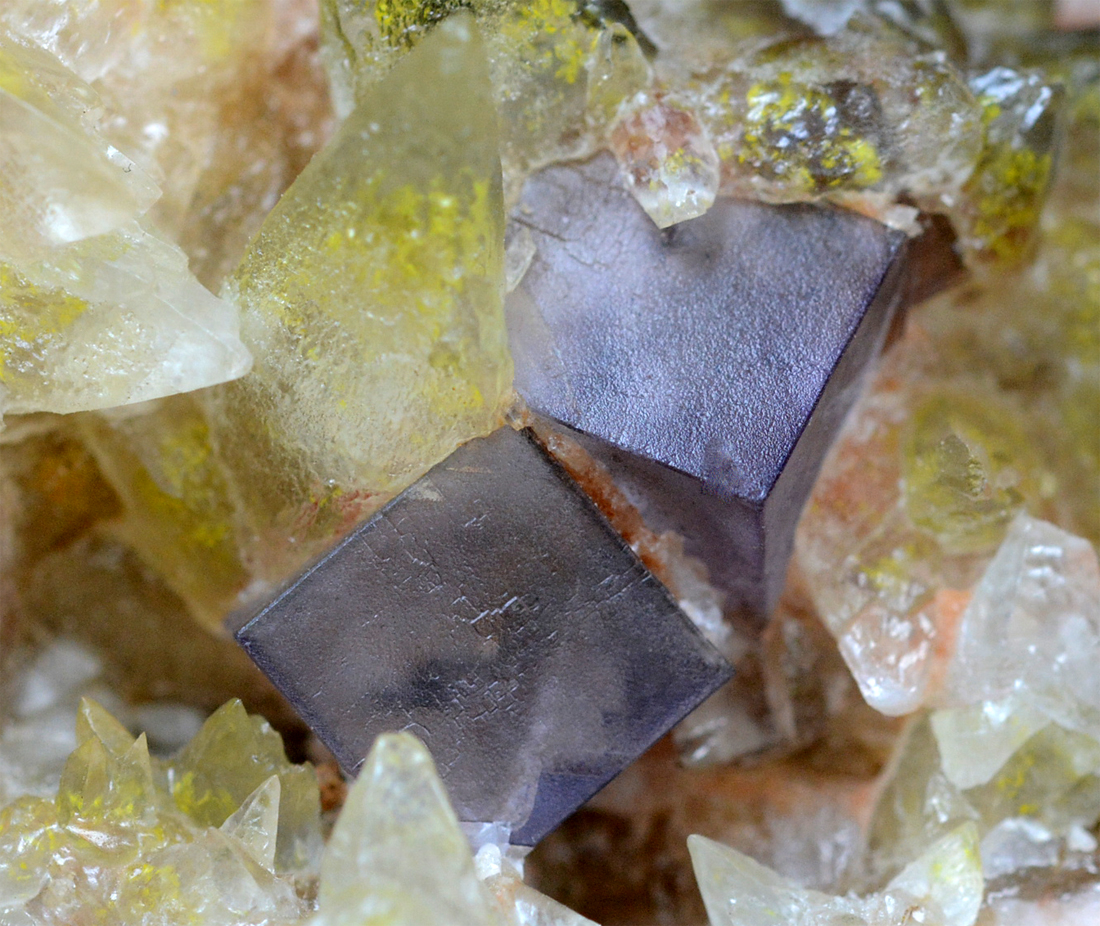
177, 510
204, 838
398, 857
96, 308
559, 69
372, 299
942, 887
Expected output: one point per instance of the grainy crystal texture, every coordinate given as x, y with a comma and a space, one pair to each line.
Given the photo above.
371, 298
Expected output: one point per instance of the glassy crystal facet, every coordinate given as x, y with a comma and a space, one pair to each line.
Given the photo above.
492, 611
708, 364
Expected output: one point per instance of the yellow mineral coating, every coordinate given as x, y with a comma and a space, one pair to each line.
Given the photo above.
372, 298
775, 140
114, 847
178, 514
232, 756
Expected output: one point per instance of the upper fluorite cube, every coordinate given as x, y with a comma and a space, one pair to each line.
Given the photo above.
491, 610
707, 365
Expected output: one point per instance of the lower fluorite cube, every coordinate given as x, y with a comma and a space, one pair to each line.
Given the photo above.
491, 610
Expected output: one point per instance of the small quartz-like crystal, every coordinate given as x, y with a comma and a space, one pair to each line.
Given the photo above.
667, 159
371, 298
942, 887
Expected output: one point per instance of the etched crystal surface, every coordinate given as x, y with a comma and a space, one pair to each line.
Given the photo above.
491, 610
371, 298
706, 365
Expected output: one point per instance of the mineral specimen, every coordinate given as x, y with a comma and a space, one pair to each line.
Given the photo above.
950, 548
708, 365
371, 298
493, 611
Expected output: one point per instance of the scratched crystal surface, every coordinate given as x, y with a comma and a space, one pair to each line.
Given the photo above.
371, 298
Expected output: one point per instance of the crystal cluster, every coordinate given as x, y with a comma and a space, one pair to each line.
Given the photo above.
236, 320
227, 831
80, 263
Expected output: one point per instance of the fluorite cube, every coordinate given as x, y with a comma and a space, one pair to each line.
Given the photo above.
707, 365
491, 610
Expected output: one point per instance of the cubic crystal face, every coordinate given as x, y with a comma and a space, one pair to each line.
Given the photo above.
492, 611
707, 365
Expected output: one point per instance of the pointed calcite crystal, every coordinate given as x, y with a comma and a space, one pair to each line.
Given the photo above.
397, 855
96, 308
198, 839
943, 887
372, 300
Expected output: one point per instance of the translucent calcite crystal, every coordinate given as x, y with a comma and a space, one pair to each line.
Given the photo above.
559, 68
372, 300
177, 511
998, 213
224, 103
63, 180
1036, 817
942, 887
850, 113
1025, 652
987, 407
136, 840
96, 308
397, 856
